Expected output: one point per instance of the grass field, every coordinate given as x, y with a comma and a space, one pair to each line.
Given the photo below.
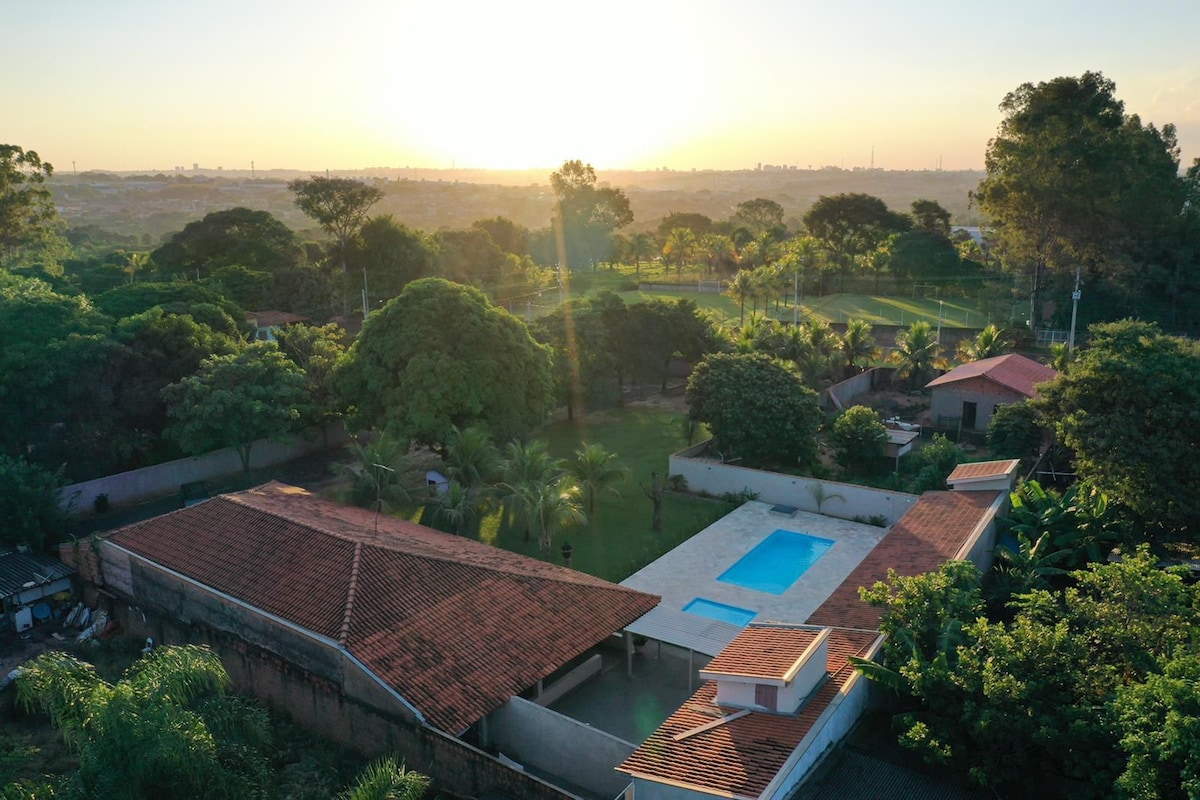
617, 541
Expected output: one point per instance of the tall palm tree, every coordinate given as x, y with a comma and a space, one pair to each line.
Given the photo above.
987, 343
741, 287
858, 344
917, 352
595, 470
458, 507
387, 779
523, 465
679, 247
553, 508
165, 729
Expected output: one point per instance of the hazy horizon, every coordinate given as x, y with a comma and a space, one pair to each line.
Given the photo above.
147, 87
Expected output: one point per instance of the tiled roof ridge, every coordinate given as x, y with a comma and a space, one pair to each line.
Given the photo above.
238, 497
351, 593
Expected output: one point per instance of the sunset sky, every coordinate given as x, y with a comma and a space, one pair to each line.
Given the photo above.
294, 84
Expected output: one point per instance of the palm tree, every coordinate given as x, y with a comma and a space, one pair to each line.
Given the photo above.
719, 252
987, 343
165, 729
1060, 356
858, 344
457, 508
679, 247
917, 351
641, 245
741, 287
377, 473
387, 780
471, 458
522, 466
595, 470
554, 507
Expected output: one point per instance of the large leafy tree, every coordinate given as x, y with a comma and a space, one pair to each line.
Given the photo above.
759, 215
861, 438
233, 237
1129, 406
1072, 181
27, 213
587, 214
849, 225
235, 400
316, 351
390, 255
167, 728
756, 407
440, 355
29, 504
340, 207
585, 365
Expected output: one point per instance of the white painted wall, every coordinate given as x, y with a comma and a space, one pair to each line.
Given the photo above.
704, 475
563, 747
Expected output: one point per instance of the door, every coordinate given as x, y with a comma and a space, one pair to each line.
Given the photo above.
968, 416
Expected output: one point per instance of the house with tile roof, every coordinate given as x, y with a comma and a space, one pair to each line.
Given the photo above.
408, 622
969, 394
779, 695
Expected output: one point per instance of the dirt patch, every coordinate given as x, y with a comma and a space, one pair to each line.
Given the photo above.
891, 403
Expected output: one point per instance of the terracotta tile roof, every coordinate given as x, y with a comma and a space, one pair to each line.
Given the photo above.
983, 469
764, 651
930, 533
455, 626
742, 756
1012, 371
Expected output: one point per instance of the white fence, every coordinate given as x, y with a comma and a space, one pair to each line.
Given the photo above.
135, 486
546, 740
842, 500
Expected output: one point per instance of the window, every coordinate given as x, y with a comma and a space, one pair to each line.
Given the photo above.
766, 696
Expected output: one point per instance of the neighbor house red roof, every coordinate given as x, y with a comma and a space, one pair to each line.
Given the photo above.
739, 758
983, 470
271, 319
455, 626
1012, 371
929, 534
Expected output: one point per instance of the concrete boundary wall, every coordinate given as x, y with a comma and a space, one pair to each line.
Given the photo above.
577, 676
842, 500
549, 741
135, 486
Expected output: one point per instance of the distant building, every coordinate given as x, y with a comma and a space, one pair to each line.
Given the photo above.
968, 395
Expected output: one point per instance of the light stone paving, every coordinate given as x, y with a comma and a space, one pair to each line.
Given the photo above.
691, 569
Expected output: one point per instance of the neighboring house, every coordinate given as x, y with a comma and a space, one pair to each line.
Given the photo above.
32, 587
386, 615
779, 695
968, 395
267, 323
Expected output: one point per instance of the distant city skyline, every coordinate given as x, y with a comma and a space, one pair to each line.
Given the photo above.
143, 85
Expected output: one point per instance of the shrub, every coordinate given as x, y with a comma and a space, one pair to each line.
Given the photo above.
861, 438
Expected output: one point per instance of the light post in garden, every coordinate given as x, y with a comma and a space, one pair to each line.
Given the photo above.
567, 550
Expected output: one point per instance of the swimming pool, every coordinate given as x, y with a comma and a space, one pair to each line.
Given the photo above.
715, 610
776, 562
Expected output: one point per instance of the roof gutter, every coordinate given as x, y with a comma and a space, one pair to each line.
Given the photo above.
316, 637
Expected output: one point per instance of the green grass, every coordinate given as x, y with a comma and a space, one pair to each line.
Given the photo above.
617, 541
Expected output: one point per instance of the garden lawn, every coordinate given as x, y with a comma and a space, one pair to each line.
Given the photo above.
617, 540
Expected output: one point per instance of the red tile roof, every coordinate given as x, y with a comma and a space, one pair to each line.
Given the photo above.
742, 756
455, 626
980, 470
271, 319
930, 533
764, 651
1011, 371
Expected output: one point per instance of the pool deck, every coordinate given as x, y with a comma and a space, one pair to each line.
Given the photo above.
690, 570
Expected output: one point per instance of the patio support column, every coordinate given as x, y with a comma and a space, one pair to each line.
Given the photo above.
628, 653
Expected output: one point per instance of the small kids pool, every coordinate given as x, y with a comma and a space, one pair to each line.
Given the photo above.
714, 610
776, 562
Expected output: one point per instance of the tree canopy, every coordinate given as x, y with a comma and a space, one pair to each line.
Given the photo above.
1129, 406
1073, 181
235, 400
234, 237
27, 212
756, 407
440, 355
588, 214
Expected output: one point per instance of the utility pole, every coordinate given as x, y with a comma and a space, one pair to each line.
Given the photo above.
1075, 295
366, 304
795, 298
939, 333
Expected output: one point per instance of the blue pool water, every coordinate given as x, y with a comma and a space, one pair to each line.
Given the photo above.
714, 610
776, 562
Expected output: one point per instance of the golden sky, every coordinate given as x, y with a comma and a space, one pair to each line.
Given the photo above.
299, 84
